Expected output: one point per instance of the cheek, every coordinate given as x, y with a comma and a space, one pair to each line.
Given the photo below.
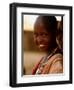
47, 40
35, 40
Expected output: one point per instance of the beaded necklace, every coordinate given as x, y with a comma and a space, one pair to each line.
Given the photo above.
44, 61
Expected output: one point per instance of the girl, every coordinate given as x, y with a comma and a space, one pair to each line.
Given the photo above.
45, 38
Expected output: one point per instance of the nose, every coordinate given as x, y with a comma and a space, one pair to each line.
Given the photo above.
39, 39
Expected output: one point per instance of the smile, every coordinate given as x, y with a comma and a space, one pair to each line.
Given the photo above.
41, 45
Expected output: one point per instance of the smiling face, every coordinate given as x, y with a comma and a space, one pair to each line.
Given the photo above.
42, 38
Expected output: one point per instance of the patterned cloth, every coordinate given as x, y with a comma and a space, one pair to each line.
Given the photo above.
52, 63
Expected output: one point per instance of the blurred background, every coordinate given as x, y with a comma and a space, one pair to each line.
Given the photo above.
31, 54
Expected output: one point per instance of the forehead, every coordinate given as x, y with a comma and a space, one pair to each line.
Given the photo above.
39, 26
39, 21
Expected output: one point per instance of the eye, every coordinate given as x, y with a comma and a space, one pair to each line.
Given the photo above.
44, 34
35, 34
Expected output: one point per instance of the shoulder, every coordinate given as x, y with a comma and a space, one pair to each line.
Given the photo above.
56, 63
57, 56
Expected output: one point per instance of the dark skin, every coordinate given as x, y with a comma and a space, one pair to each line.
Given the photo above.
45, 38
42, 37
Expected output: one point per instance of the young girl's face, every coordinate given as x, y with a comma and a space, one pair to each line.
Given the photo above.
42, 38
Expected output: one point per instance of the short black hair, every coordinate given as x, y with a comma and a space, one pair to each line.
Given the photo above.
49, 22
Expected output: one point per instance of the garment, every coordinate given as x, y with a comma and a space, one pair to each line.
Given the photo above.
52, 64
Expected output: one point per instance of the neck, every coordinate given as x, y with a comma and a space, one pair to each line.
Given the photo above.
50, 50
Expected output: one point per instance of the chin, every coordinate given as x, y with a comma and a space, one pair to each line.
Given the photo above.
43, 49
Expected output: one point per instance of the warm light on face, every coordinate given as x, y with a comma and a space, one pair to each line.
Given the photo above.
29, 20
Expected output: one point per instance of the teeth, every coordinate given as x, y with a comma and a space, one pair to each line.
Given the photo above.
41, 45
